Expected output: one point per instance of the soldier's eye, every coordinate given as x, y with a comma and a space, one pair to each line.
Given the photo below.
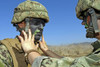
15, 25
43, 24
37, 23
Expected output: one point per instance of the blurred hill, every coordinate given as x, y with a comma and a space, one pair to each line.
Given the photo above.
73, 50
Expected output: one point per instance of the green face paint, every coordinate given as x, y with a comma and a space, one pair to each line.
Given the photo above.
86, 26
36, 31
36, 26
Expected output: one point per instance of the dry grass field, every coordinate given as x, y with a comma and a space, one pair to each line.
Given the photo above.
72, 50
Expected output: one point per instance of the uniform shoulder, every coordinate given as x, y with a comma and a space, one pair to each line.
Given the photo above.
96, 45
5, 57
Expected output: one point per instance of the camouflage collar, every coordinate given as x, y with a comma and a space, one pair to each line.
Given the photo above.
96, 45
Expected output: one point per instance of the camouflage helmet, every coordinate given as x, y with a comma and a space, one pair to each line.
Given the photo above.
86, 4
29, 9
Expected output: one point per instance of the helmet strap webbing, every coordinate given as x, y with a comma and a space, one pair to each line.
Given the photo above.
27, 20
93, 26
94, 20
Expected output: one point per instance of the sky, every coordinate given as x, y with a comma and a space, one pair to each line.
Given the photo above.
63, 28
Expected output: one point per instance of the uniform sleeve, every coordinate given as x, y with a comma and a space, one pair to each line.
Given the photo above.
92, 60
52, 62
5, 57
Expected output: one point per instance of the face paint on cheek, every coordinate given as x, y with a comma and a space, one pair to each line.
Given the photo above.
38, 34
36, 31
86, 26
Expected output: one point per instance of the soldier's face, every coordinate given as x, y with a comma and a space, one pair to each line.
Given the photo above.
87, 22
97, 35
36, 28
22, 24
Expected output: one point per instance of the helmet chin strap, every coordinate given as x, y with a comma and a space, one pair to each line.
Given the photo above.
27, 25
93, 27
90, 32
94, 20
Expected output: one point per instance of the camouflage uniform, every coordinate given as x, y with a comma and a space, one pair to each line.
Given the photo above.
5, 57
92, 60
11, 53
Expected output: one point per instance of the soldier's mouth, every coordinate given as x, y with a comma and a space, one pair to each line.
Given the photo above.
39, 34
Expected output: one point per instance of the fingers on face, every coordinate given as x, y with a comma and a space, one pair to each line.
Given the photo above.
42, 38
40, 43
37, 45
25, 35
20, 38
30, 34
33, 38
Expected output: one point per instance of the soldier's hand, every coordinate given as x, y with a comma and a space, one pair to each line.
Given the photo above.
27, 41
43, 45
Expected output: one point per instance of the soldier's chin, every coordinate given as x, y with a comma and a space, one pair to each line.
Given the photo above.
37, 38
90, 35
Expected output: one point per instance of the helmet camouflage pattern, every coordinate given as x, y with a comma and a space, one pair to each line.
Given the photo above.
29, 9
86, 4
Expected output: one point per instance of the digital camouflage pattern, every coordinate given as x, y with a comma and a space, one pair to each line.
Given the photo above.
16, 52
92, 60
5, 57
29, 9
86, 4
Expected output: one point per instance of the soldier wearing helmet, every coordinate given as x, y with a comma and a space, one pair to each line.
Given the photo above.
28, 15
89, 12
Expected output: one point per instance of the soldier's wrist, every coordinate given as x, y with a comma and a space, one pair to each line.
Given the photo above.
27, 53
32, 56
